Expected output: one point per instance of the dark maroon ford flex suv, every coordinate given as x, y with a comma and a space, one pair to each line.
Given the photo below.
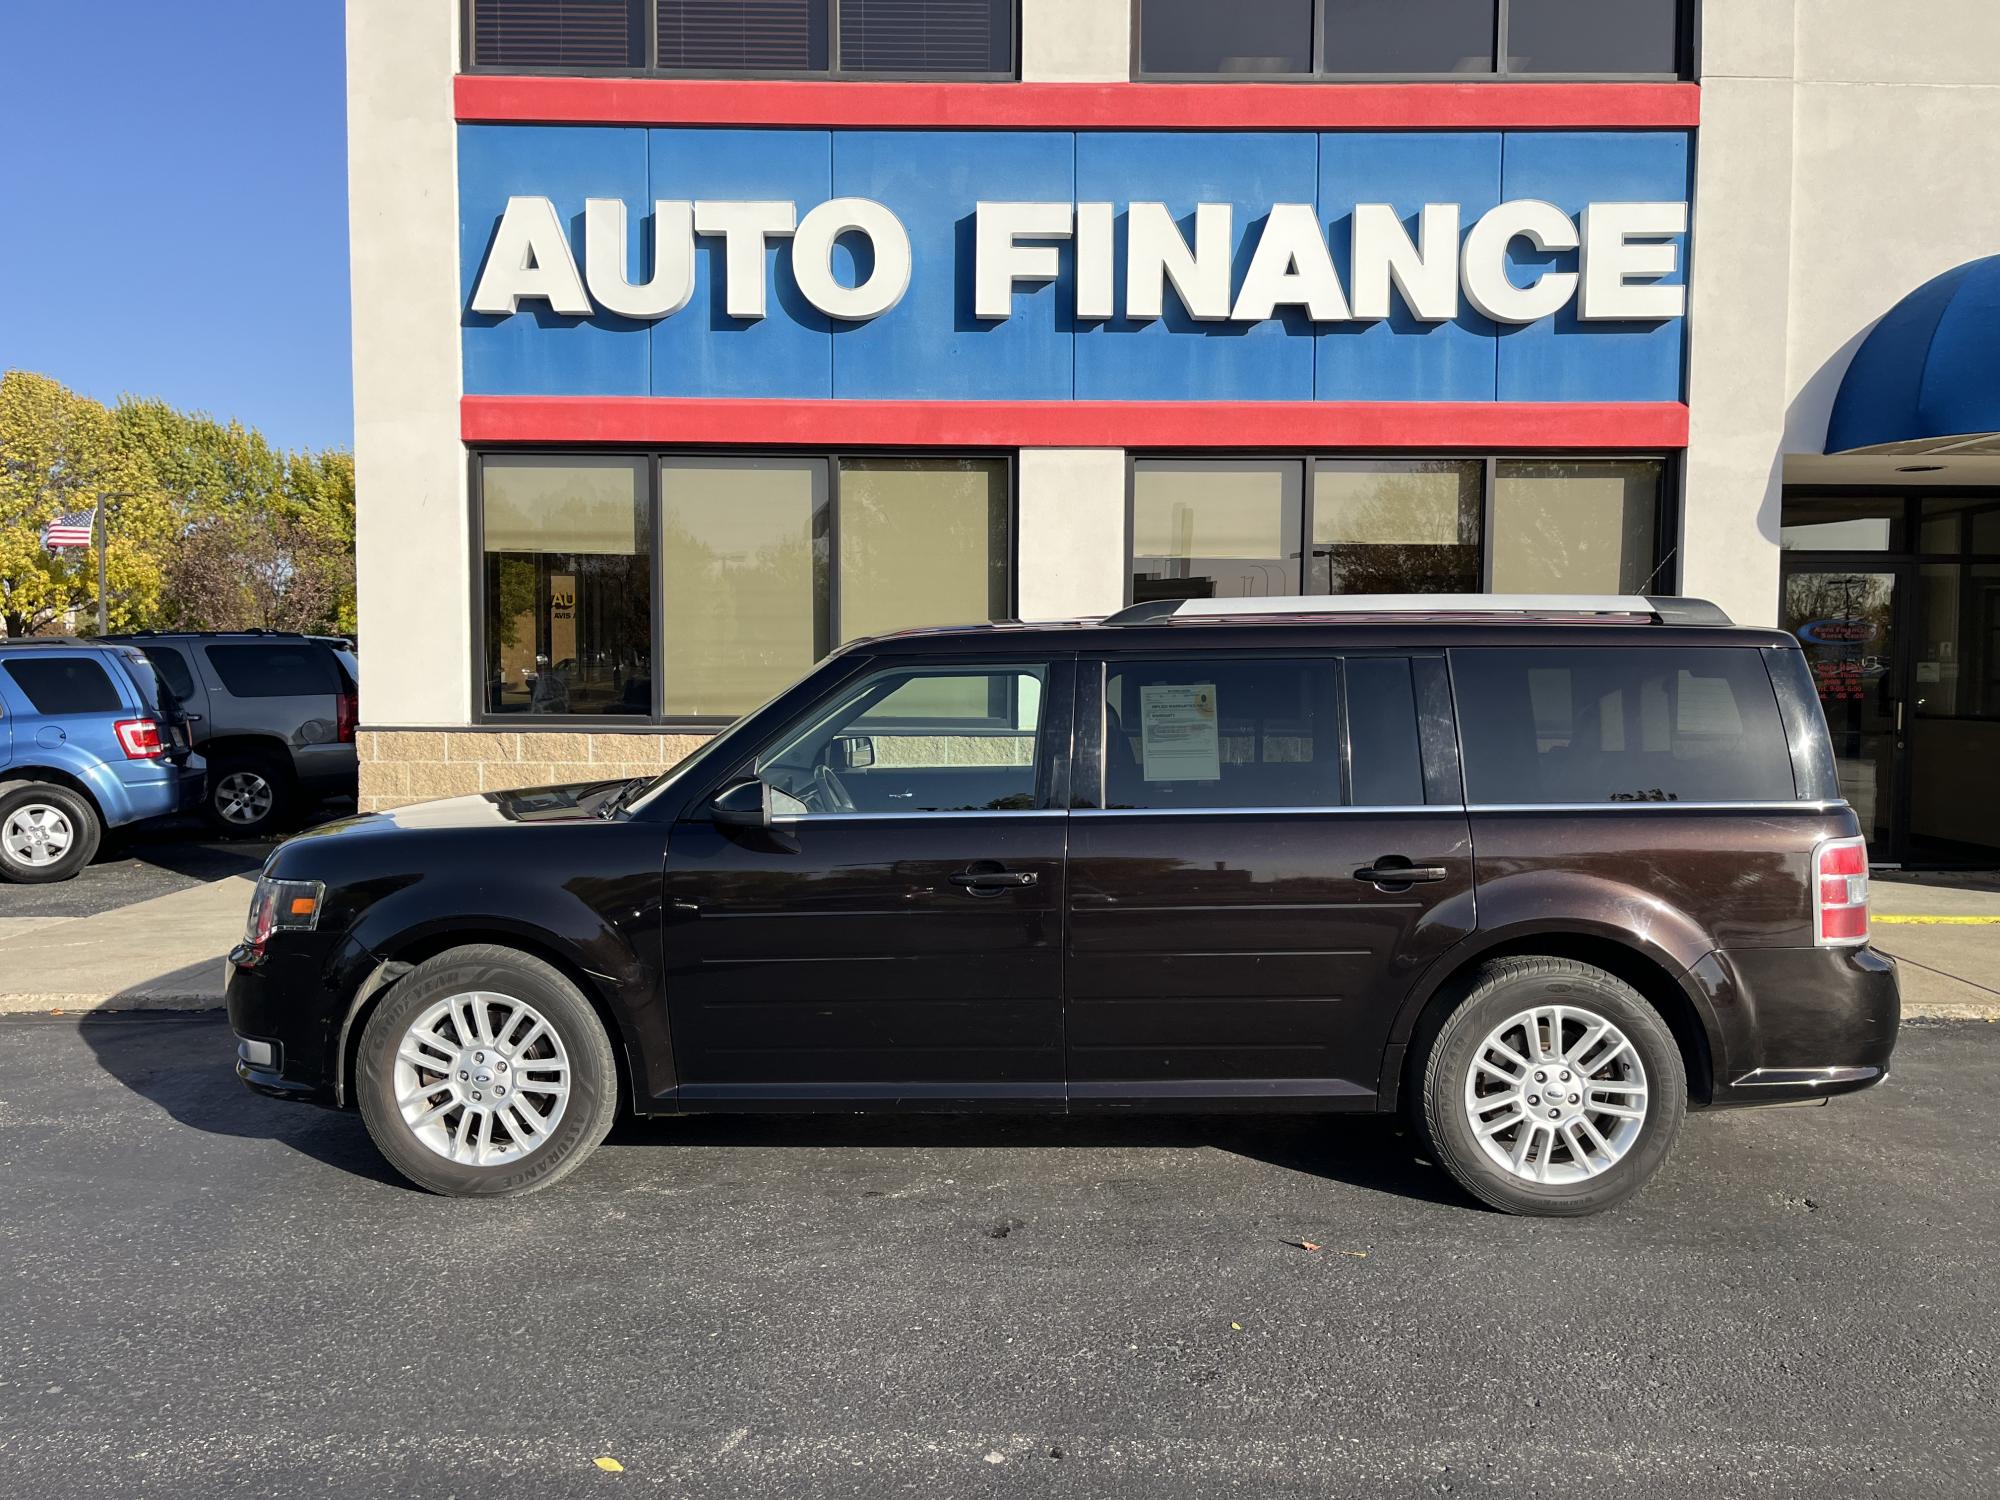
1543, 872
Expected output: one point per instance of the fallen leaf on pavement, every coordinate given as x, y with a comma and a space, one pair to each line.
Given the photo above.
609, 1465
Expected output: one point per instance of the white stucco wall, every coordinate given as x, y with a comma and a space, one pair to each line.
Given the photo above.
410, 470
1076, 41
1072, 532
1836, 170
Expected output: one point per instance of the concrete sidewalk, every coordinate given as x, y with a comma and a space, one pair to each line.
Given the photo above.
166, 953
162, 954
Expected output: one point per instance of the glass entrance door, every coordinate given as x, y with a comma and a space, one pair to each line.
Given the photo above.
1849, 620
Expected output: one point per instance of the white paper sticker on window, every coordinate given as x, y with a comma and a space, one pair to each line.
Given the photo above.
1178, 738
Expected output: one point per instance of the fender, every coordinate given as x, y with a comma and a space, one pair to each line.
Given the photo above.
1564, 903
616, 961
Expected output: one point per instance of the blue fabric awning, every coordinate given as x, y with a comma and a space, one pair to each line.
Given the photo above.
1930, 369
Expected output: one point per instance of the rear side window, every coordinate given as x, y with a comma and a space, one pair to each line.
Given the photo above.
275, 671
173, 669
1620, 725
65, 685
1222, 732
1384, 757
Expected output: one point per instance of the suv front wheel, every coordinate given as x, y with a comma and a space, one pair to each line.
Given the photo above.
1553, 1088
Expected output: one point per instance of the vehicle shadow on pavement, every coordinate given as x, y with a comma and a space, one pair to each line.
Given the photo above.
183, 1061
1365, 1151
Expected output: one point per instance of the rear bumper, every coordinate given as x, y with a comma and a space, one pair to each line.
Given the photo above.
153, 789
1799, 1023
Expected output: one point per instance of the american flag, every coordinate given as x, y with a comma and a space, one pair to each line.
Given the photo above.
72, 529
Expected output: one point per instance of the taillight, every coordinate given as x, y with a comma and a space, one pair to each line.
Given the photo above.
344, 713
138, 738
1840, 892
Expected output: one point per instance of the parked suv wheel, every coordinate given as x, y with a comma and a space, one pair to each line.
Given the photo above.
485, 1073
47, 832
247, 793
1553, 1088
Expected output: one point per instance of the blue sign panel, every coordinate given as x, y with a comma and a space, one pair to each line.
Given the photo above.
1015, 265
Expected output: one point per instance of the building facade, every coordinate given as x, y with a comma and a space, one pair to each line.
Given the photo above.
694, 338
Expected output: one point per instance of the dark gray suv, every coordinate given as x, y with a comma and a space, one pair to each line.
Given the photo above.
274, 714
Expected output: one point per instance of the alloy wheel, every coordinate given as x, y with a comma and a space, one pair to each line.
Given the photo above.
244, 797
1556, 1094
481, 1078
37, 835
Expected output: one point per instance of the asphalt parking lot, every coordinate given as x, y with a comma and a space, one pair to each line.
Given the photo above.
212, 1294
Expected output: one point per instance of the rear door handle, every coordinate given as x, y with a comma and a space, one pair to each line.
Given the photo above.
1392, 872
995, 880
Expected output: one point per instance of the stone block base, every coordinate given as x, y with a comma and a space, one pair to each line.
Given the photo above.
401, 766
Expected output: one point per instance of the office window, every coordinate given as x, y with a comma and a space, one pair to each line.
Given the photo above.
567, 543
1242, 37
926, 37
1216, 528
766, 563
1396, 526
1592, 36
1610, 724
1408, 38
743, 571
1575, 526
743, 35
577, 34
1222, 732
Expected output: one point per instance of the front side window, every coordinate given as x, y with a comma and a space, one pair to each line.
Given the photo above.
567, 543
1222, 732
1390, 38
1612, 724
919, 740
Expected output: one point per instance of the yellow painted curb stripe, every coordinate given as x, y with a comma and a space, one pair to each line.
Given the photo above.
1882, 918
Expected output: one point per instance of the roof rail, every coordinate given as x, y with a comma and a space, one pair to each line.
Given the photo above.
1661, 609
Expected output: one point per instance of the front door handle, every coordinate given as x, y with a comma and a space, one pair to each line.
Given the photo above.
992, 882
1395, 870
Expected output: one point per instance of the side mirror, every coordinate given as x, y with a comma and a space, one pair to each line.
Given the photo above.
753, 804
853, 752
747, 804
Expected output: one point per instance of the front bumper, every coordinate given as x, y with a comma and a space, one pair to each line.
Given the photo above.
293, 998
1799, 1024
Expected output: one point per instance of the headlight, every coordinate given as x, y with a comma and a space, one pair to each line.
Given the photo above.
282, 906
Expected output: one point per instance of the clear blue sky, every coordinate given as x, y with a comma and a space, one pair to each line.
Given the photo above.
173, 206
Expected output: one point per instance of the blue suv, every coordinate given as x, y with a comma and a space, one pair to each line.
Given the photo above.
90, 738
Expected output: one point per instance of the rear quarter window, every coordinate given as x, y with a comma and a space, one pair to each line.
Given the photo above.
1614, 724
275, 671
173, 669
64, 685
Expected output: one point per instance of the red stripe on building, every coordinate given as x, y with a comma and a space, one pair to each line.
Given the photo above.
1233, 425
492, 99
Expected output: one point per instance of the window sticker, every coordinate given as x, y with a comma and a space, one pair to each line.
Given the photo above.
1178, 734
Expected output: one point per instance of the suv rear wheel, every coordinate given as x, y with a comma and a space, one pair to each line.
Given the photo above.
485, 1073
248, 793
47, 832
1553, 1088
